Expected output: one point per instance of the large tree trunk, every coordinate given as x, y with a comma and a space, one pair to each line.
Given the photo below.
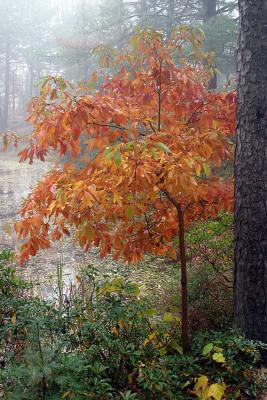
250, 283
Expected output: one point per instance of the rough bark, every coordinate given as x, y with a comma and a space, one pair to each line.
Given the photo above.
250, 277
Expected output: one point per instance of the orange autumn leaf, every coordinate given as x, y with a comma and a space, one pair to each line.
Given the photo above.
159, 136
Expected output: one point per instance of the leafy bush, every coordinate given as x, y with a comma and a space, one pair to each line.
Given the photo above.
210, 273
102, 340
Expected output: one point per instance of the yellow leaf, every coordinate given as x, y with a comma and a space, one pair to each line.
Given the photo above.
115, 331
216, 391
207, 169
218, 357
150, 338
14, 319
7, 229
117, 199
198, 170
187, 383
66, 394
202, 383
168, 317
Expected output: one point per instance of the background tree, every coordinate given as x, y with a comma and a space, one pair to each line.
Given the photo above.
250, 303
58, 37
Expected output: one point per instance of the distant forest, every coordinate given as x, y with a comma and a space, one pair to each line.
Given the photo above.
68, 37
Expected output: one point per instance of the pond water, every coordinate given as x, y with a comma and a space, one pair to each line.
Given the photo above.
16, 180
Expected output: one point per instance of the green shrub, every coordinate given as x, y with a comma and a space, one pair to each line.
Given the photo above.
102, 340
210, 250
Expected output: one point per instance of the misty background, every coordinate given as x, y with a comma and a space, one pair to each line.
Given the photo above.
58, 37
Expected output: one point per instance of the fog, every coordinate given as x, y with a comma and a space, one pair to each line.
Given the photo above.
40, 38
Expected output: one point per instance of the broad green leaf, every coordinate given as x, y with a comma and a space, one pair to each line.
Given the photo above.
207, 349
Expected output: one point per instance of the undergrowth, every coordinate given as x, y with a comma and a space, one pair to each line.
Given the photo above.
101, 339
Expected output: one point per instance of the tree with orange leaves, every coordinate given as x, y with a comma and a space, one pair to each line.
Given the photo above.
160, 137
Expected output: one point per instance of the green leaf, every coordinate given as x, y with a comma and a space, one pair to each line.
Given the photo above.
207, 349
108, 154
175, 345
128, 146
163, 351
132, 289
117, 158
163, 147
168, 317
207, 169
149, 312
130, 212
201, 32
45, 80
91, 86
154, 153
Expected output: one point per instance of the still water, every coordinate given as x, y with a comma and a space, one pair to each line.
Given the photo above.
16, 180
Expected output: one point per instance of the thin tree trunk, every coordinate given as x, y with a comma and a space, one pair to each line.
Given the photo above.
144, 14
31, 80
170, 20
6, 84
209, 12
14, 95
185, 324
183, 262
209, 9
250, 276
